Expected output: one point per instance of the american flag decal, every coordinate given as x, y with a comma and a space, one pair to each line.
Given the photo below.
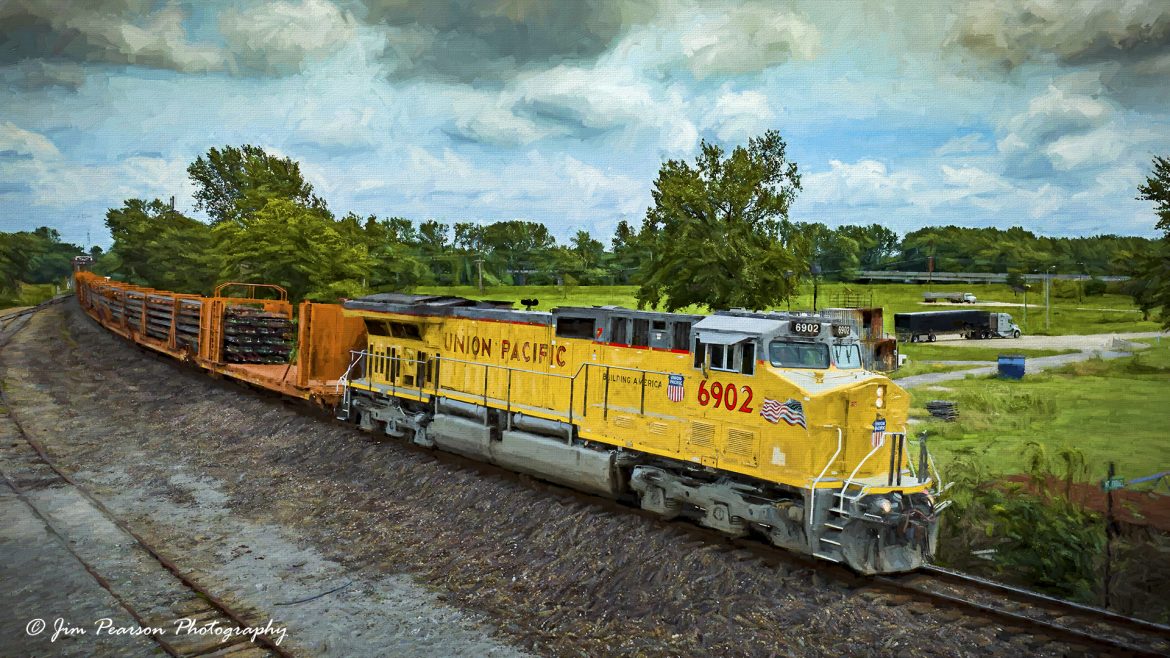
879, 433
791, 412
674, 388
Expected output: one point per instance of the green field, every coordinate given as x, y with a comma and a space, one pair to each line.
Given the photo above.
30, 295
913, 368
1109, 410
936, 352
1120, 315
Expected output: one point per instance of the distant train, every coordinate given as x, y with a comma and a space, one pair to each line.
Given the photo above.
745, 422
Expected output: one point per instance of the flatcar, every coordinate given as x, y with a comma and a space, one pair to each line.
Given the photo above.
745, 422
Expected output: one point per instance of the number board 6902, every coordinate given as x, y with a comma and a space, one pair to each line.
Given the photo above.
806, 328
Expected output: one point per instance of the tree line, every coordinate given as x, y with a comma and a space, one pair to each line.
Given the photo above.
718, 234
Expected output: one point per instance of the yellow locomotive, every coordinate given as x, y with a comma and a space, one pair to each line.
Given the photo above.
743, 421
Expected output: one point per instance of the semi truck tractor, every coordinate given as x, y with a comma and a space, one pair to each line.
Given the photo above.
915, 327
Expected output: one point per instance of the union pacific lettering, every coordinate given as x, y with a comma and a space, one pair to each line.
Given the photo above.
520, 352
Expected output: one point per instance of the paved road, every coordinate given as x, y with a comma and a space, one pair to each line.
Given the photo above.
1090, 345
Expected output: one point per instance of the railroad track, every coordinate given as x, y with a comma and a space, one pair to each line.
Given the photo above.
188, 618
1042, 617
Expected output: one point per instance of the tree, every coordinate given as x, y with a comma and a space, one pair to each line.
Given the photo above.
517, 247
236, 182
713, 232
1151, 288
300, 248
395, 260
627, 253
160, 247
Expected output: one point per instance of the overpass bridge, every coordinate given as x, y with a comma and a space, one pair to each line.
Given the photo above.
969, 277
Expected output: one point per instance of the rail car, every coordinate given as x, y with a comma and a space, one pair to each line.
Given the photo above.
744, 422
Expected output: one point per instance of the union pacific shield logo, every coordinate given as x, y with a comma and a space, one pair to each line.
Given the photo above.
674, 388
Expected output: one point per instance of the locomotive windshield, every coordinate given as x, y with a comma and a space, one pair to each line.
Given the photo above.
846, 356
798, 355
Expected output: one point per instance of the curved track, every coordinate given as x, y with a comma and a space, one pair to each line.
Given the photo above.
1037, 614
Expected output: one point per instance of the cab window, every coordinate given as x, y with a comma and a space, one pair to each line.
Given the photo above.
846, 356
740, 357
798, 355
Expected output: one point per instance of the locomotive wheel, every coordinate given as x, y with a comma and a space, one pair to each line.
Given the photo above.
931, 337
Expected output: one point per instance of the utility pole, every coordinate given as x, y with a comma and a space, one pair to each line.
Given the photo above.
1025, 302
479, 263
1048, 296
815, 270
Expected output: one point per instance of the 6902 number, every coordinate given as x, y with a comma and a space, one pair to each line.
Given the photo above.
725, 395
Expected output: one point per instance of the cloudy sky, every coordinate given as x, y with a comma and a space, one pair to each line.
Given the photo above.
1040, 113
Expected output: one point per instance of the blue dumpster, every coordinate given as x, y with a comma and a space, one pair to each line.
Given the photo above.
1011, 366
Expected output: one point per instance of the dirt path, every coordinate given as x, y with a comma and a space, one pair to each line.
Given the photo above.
442, 558
1090, 346
1082, 342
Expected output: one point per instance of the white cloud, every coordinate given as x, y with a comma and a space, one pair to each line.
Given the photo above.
971, 143
278, 37
605, 98
1052, 114
989, 192
22, 143
161, 41
487, 116
739, 115
865, 182
746, 39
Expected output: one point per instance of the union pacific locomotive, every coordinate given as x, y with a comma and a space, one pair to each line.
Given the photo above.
745, 422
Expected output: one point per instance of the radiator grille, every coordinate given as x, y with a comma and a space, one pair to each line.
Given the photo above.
702, 435
741, 446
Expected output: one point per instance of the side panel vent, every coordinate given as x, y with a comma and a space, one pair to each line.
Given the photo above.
741, 446
702, 435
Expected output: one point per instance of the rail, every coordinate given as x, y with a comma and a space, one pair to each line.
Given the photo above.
1055, 618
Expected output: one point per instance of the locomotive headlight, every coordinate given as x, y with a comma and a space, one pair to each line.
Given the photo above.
878, 403
880, 393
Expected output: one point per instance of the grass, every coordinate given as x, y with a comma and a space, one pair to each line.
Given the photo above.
935, 352
1109, 410
1119, 315
30, 294
923, 368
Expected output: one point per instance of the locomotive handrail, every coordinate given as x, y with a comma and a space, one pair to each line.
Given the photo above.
360, 354
849, 480
812, 503
251, 289
344, 379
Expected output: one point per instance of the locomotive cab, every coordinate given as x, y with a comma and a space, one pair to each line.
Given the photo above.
836, 435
